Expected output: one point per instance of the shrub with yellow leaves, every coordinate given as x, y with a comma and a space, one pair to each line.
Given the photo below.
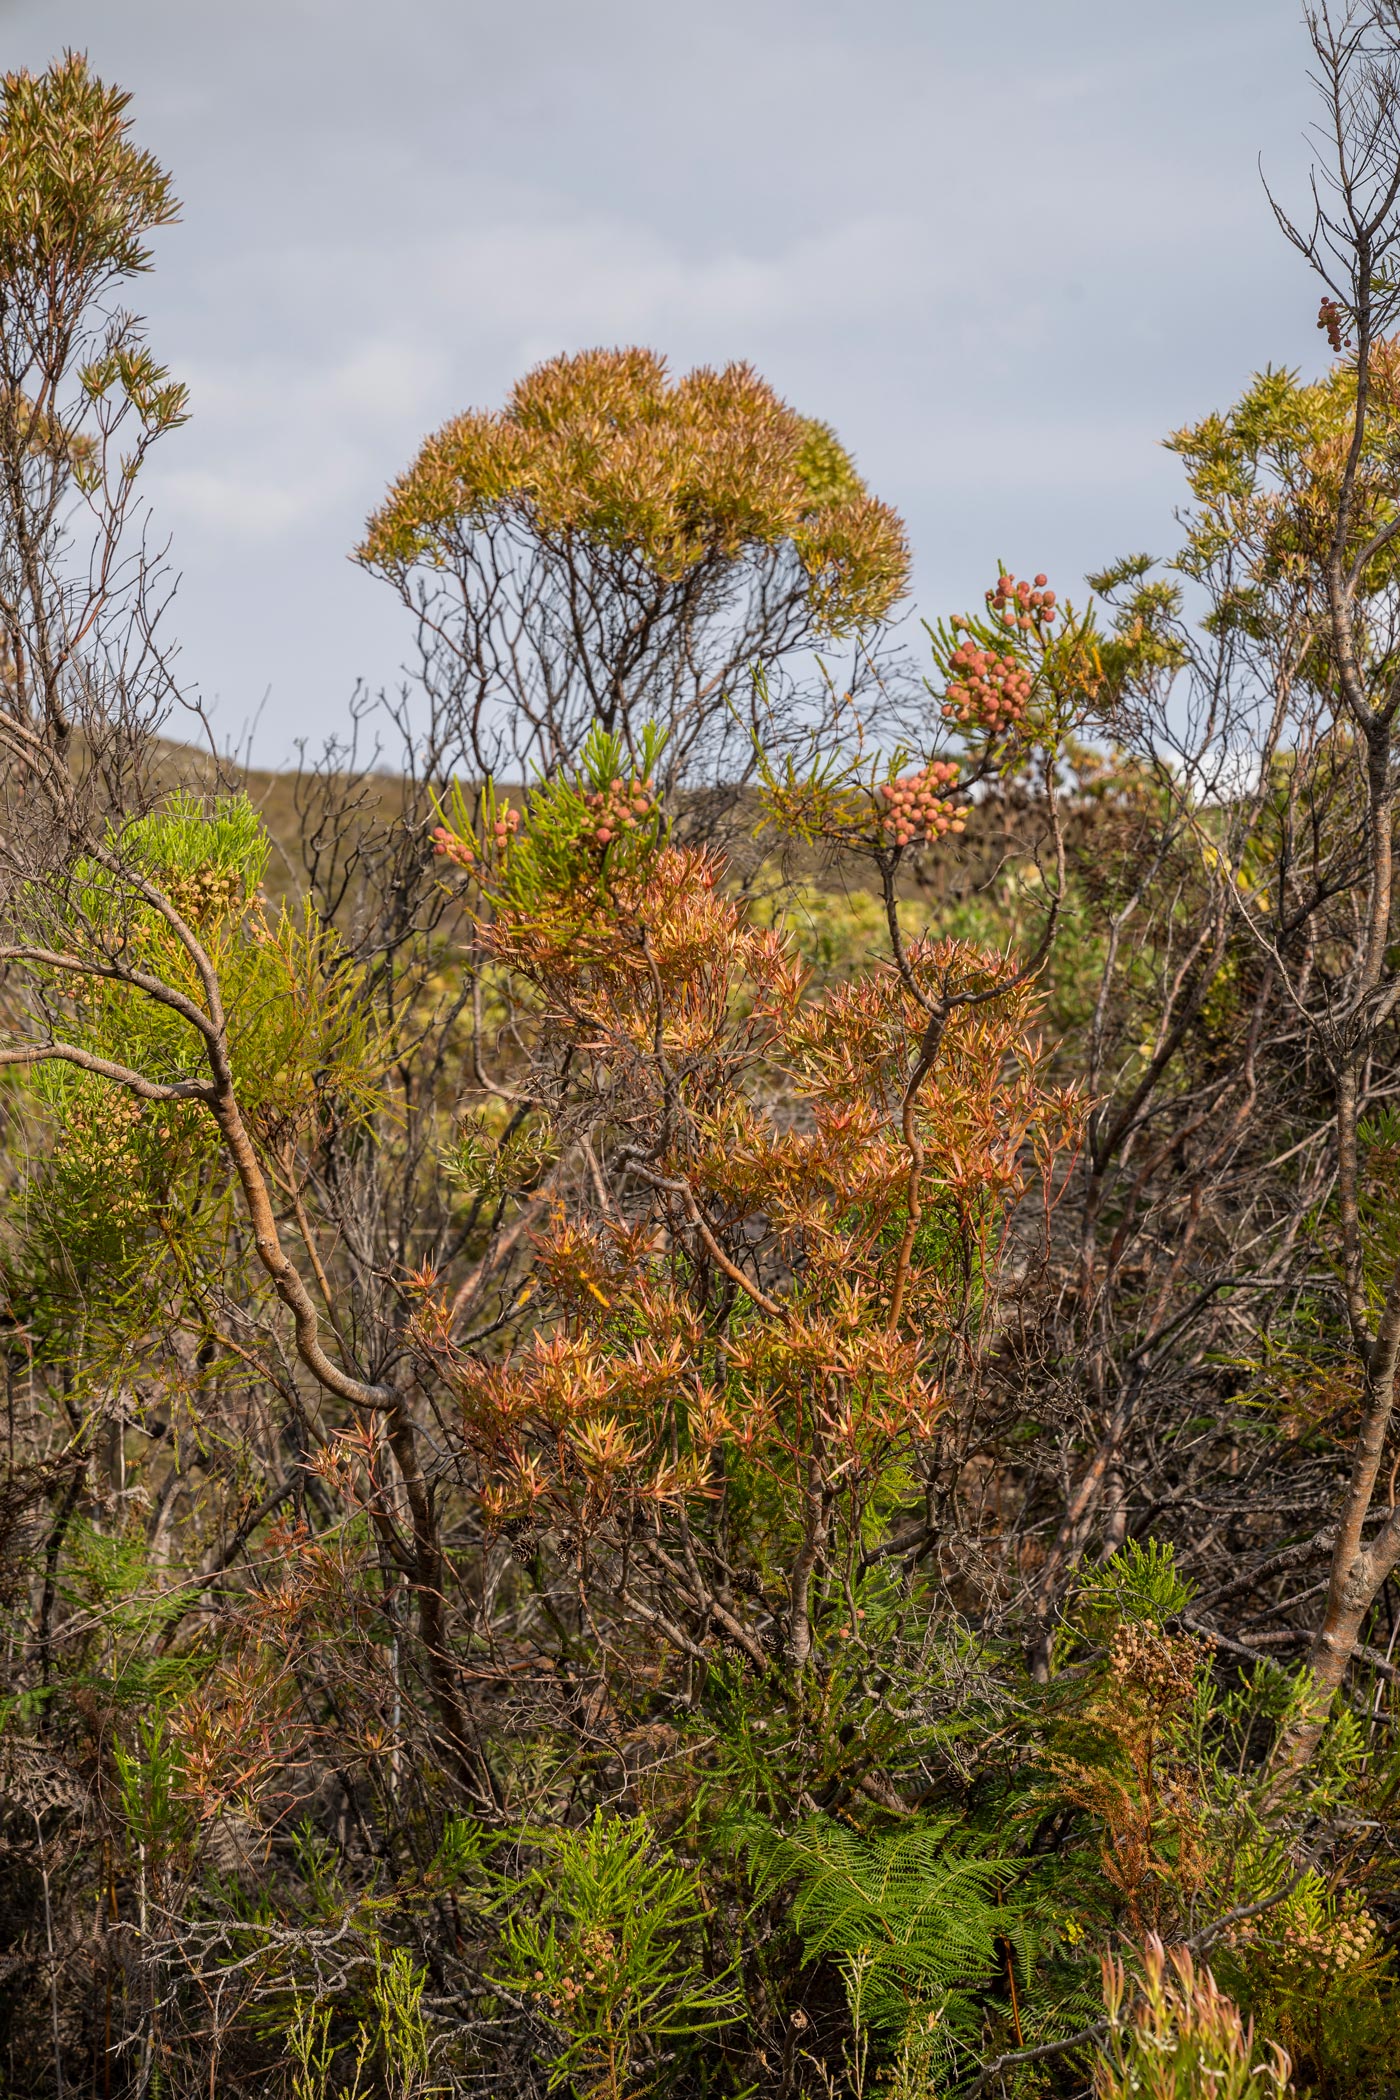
617, 544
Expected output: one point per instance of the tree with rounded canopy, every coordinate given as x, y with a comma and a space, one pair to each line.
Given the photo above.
616, 547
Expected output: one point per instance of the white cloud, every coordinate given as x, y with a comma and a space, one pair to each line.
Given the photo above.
245, 506
282, 444
1002, 261
282, 440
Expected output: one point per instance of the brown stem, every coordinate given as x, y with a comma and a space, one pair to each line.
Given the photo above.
923, 1065
799, 1625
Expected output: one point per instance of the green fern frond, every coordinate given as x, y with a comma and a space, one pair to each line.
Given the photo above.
918, 1921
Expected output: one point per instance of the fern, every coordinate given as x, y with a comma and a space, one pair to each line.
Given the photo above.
917, 1921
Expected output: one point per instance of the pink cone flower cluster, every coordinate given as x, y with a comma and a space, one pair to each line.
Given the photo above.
462, 852
916, 809
621, 806
990, 691
1022, 604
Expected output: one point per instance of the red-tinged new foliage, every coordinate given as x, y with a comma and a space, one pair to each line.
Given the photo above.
754, 1287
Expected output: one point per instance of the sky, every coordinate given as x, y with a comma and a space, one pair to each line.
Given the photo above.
1003, 248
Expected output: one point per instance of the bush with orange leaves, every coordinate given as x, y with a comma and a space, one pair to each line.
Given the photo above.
797, 1236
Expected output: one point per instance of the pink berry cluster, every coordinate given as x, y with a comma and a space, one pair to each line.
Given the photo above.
463, 853
452, 848
1020, 604
621, 806
1329, 320
916, 809
990, 692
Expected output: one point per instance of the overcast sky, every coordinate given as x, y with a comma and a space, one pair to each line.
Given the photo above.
1002, 247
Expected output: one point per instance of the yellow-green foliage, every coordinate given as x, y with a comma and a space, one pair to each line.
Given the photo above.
1265, 472
77, 200
389, 2053
296, 1030
603, 1938
299, 1037
606, 447
1264, 477
76, 197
